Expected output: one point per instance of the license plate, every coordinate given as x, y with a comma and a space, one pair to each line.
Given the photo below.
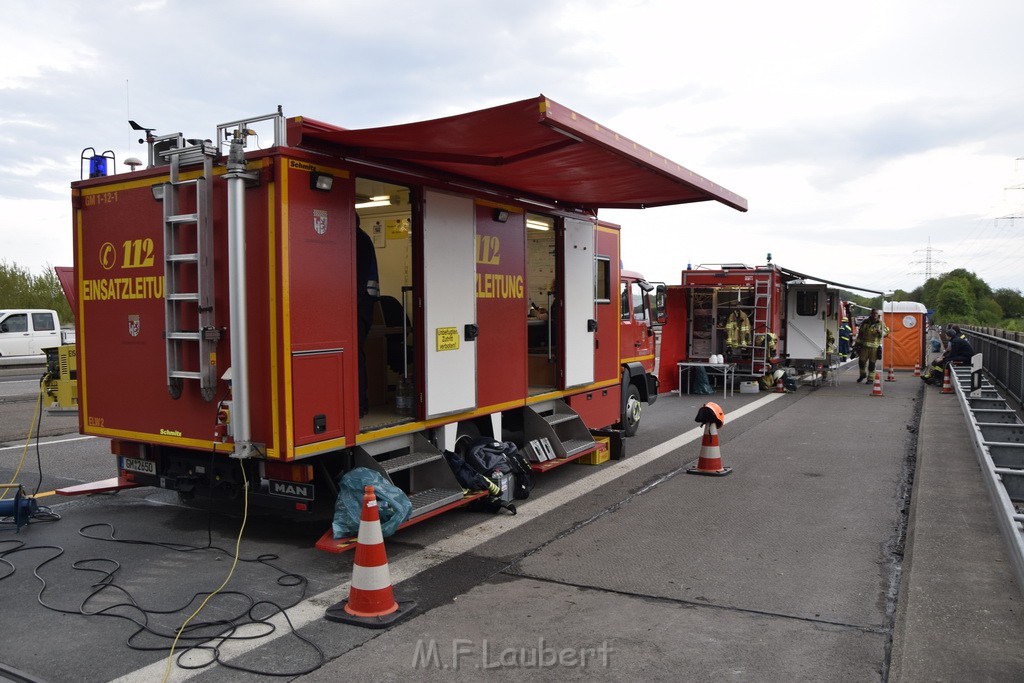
137, 465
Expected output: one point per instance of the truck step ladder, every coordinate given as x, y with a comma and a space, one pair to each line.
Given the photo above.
556, 429
759, 356
416, 466
191, 334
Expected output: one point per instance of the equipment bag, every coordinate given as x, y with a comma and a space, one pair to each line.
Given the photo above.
493, 458
393, 505
470, 479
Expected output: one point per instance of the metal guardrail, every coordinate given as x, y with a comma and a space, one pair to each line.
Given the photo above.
998, 438
1003, 357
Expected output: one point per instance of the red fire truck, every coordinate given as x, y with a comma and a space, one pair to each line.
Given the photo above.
217, 300
756, 317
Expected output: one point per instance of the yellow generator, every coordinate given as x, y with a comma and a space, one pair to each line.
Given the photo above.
61, 379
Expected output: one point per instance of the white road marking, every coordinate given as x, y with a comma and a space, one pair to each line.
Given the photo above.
48, 443
410, 565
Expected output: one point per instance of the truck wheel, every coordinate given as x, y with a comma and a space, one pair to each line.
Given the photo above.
631, 413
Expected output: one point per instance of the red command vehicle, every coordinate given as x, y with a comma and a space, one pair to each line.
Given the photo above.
217, 300
756, 317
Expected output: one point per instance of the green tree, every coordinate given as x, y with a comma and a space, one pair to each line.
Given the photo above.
21, 289
1011, 301
954, 302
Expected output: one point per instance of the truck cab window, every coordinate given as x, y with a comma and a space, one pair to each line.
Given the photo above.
15, 323
640, 307
42, 322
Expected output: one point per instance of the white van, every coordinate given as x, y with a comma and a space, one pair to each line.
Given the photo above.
27, 331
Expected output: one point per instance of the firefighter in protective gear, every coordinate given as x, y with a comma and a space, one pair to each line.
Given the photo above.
869, 344
845, 337
960, 351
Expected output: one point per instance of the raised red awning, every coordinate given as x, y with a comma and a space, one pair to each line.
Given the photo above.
535, 147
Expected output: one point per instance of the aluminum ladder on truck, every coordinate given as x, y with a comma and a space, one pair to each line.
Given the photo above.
759, 360
190, 331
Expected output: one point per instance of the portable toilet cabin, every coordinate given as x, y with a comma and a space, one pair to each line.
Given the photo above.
905, 344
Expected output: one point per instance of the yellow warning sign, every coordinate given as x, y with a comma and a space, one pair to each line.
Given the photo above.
447, 339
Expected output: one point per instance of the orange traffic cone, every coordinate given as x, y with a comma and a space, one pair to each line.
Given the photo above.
371, 600
780, 387
917, 369
877, 389
947, 387
891, 377
710, 461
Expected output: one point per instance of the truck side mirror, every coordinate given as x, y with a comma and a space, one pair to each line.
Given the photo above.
660, 303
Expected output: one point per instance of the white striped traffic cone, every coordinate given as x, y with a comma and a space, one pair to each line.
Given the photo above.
876, 390
371, 600
710, 461
947, 387
917, 369
891, 377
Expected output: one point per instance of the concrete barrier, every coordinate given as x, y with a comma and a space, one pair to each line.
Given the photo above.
22, 361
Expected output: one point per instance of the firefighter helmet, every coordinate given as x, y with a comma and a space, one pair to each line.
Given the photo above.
711, 412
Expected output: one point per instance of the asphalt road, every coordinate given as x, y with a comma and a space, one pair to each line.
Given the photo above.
788, 569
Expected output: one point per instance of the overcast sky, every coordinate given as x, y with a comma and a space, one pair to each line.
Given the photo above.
860, 133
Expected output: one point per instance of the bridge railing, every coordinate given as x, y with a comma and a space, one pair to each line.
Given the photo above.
1003, 357
998, 431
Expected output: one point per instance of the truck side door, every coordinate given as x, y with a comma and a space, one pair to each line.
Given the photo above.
578, 303
449, 303
45, 331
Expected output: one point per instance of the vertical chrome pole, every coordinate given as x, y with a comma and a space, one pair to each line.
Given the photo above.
236, 177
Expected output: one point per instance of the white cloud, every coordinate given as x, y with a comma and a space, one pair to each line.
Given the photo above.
856, 132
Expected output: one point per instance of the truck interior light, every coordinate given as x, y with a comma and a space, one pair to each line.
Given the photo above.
537, 225
321, 181
382, 200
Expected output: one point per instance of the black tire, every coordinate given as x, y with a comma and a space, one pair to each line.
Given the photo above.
632, 407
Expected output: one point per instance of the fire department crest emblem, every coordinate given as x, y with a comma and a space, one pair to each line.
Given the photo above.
319, 221
134, 325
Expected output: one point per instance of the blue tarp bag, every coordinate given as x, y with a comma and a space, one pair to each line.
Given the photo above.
394, 506
701, 383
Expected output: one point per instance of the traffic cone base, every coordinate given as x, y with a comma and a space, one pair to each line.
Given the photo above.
710, 461
340, 613
876, 390
371, 599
